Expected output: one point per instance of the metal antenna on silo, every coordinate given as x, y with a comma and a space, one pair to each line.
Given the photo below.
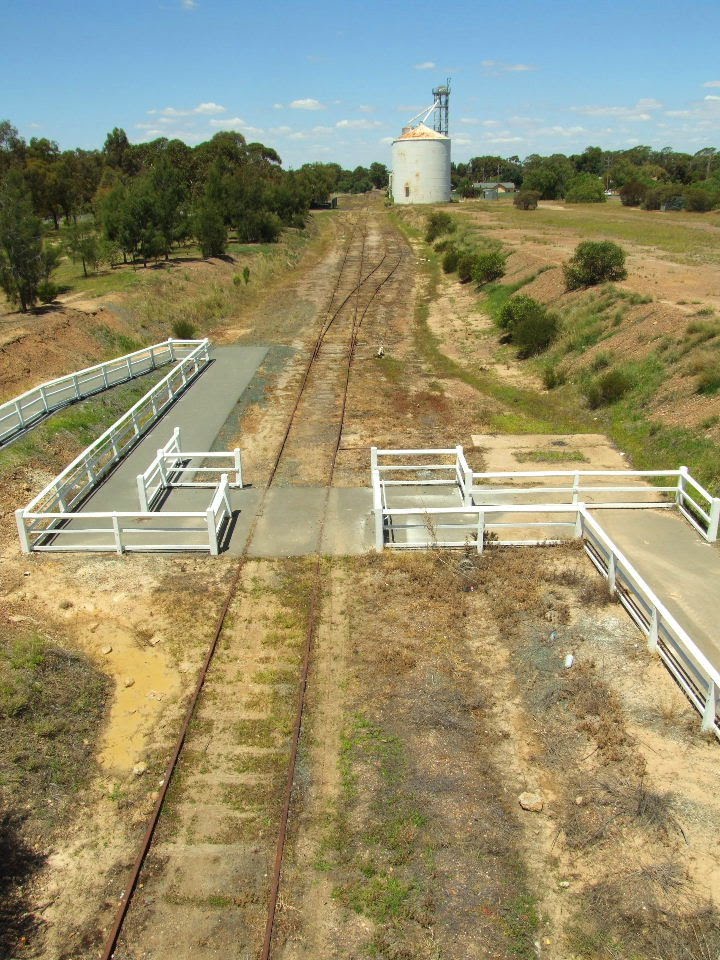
442, 97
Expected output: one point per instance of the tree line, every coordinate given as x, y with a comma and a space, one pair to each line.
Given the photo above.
641, 176
134, 203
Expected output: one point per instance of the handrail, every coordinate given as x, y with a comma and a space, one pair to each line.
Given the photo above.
30, 407
200, 352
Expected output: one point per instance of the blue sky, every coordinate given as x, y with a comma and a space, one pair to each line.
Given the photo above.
336, 81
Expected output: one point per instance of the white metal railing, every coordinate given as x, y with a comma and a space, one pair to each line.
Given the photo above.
22, 412
74, 484
697, 676
131, 530
173, 466
412, 527
398, 468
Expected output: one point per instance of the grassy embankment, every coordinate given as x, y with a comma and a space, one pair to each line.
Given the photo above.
585, 322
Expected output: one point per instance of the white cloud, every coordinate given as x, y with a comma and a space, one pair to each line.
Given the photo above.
366, 108
712, 83
237, 123
323, 131
189, 4
278, 106
202, 109
363, 124
641, 111
711, 97
386, 139
495, 67
505, 139
307, 103
282, 131
461, 141
470, 121
425, 65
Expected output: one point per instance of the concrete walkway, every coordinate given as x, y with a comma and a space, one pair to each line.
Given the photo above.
681, 567
294, 521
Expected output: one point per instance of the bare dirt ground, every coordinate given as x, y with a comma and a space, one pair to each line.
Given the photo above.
437, 696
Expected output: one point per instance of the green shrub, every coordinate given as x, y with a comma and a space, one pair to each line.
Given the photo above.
488, 266
259, 226
607, 389
553, 376
594, 262
529, 325
450, 261
633, 192
698, 199
183, 329
465, 267
442, 245
439, 223
526, 199
47, 291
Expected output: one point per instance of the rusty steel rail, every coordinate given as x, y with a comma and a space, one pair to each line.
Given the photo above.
111, 941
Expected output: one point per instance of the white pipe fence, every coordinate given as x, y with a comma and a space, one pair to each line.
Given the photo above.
389, 468
697, 676
427, 526
22, 412
172, 464
77, 481
130, 531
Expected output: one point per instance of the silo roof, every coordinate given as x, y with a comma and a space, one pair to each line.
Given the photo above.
422, 132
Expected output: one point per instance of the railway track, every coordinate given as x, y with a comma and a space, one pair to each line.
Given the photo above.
318, 411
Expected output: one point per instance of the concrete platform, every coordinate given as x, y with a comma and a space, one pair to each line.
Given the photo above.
200, 413
681, 567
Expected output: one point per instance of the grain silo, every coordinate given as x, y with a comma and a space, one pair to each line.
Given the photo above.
421, 156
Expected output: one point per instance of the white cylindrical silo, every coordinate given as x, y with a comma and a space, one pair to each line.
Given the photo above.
421, 166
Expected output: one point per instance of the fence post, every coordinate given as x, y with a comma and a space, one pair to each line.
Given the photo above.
76, 384
116, 531
212, 532
576, 489
18, 411
224, 484
611, 572
653, 632
462, 467
22, 530
712, 533
679, 496
172, 349
162, 469
105, 376
238, 467
481, 531
377, 500
142, 493
43, 397
579, 522
710, 711
152, 358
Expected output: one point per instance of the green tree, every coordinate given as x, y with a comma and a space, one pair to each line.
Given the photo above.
585, 188
209, 225
168, 203
83, 245
23, 264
